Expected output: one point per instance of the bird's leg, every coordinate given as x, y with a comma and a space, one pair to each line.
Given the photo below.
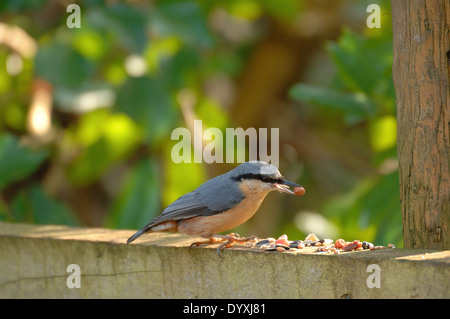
229, 241
211, 240
215, 239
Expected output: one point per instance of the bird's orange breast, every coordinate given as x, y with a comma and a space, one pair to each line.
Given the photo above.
214, 224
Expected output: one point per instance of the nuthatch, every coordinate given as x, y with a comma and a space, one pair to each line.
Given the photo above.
221, 203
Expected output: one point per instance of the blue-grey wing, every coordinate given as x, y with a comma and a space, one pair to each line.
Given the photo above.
214, 196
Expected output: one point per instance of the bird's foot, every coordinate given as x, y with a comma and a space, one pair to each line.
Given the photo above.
231, 239
211, 240
226, 240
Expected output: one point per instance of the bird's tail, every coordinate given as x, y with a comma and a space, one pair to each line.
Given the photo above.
170, 226
136, 235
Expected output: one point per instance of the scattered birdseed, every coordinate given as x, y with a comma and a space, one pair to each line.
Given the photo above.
326, 245
294, 243
285, 247
309, 243
352, 246
282, 240
340, 243
271, 247
334, 250
329, 249
311, 237
263, 242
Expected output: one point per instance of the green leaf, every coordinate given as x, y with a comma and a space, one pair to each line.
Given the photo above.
383, 133
138, 201
178, 71
104, 144
34, 205
47, 210
90, 43
149, 104
364, 63
351, 103
91, 163
184, 19
282, 9
126, 22
17, 161
20, 6
61, 65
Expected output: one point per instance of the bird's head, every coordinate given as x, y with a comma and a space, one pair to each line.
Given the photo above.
262, 176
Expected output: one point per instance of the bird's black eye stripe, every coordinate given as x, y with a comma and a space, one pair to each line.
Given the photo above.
260, 177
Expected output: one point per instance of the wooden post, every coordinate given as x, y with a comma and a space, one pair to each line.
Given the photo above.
421, 42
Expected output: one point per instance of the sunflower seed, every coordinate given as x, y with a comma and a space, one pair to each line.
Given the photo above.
262, 242
271, 247
295, 243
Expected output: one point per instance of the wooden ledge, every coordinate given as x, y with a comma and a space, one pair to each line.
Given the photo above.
35, 263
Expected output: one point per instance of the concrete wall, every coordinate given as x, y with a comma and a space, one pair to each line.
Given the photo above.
34, 263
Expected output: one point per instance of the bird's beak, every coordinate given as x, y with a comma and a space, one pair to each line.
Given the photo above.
284, 186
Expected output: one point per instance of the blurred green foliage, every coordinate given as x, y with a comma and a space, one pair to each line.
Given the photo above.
25, 161
364, 92
116, 83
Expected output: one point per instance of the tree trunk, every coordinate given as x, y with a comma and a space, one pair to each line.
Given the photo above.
421, 79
